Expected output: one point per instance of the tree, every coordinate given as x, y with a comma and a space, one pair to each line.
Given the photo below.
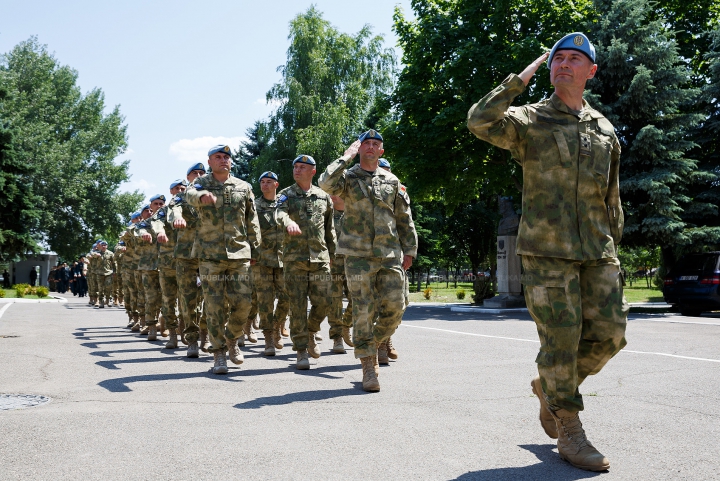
328, 89
18, 214
71, 144
642, 87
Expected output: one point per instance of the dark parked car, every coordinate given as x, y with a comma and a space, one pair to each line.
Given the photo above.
693, 284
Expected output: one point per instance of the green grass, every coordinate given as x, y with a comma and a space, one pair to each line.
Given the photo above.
640, 293
442, 294
10, 293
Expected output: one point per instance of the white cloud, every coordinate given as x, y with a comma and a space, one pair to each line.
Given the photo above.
142, 185
195, 150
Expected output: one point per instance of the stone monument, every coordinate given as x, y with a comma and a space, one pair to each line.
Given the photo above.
508, 262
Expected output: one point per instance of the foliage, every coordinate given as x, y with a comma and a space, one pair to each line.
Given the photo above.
482, 288
326, 97
42, 291
21, 290
460, 293
427, 293
71, 144
639, 260
2, 293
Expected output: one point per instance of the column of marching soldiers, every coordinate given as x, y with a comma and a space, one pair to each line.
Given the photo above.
213, 264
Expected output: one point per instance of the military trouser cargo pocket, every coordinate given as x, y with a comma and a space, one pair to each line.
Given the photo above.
548, 297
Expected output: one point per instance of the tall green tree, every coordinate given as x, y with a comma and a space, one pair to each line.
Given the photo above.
643, 86
71, 144
327, 93
18, 211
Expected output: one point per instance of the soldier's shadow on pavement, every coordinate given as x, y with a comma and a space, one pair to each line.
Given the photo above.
299, 397
550, 467
122, 384
420, 313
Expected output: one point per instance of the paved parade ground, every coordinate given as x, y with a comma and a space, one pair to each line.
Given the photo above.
455, 405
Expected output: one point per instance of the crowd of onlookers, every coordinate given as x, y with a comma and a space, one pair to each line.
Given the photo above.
63, 278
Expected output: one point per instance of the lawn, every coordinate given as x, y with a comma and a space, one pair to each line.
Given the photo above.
640, 293
10, 293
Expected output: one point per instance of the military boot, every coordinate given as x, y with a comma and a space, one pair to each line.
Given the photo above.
347, 336
251, 337
283, 330
313, 348
338, 347
318, 336
370, 379
303, 363
573, 445
163, 326
136, 326
220, 366
144, 328
277, 339
102, 304
269, 343
172, 342
392, 353
382, 354
236, 356
256, 323
131, 321
152, 332
204, 343
547, 421
193, 350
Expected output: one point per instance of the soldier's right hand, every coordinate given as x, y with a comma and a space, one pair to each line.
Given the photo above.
208, 199
294, 229
146, 237
179, 224
352, 150
530, 70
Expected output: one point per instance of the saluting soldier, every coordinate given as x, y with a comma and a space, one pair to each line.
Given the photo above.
105, 273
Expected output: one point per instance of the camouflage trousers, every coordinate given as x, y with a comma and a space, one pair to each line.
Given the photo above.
377, 290
106, 288
581, 313
189, 297
92, 287
140, 290
268, 285
336, 318
305, 279
117, 286
169, 293
129, 291
228, 291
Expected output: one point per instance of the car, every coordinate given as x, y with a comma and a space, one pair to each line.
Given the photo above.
693, 284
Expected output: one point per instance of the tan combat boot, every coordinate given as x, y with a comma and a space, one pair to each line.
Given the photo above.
173, 341
131, 321
283, 330
256, 323
193, 350
318, 336
145, 328
347, 337
102, 304
392, 353
382, 354
313, 349
269, 344
303, 362
136, 326
204, 343
338, 347
277, 339
236, 356
547, 421
370, 379
573, 445
152, 332
251, 337
220, 366
163, 326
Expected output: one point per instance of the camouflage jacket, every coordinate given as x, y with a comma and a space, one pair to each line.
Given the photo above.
313, 212
130, 257
147, 251
271, 248
571, 200
378, 221
338, 217
159, 225
94, 261
119, 257
228, 229
185, 239
106, 264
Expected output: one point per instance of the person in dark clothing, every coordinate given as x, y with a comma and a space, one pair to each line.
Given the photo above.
33, 277
6, 279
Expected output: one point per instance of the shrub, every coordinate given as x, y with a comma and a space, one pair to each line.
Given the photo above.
427, 293
460, 293
20, 292
482, 288
42, 291
2, 293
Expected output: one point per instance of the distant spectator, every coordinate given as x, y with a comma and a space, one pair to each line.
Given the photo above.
33, 277
6, 279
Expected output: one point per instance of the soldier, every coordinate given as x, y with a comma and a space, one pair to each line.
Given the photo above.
184, 218
305, 211
570, 227
131, 264
340, 323
118, 291
148, 267
379, 243
268, 277
227, 236
92, 287
105, 274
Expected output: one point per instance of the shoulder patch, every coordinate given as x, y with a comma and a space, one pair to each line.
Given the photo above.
161, 213
198, 186
281, 199
142, 225
177, 199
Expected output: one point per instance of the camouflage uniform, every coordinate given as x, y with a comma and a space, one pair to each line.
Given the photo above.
571, 224
166, 266
268, 278
228, 233
118, 289
336, 318
377, 230
130, 260
186, 267
93, 288
149, 275
306, 258
106, 266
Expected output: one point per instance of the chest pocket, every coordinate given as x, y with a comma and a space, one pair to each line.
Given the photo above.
547, 144
385, 191
602, 139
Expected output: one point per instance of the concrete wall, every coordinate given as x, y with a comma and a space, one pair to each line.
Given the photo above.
20, 271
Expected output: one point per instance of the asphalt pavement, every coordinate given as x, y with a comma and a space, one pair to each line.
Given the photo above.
455, 405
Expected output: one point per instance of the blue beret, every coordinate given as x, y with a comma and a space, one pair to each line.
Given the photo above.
370, 134
102, 243
145, 207
574, 41
304, 159
95, 244
198, 166
135, 215
384, 163
177, 182
219, 148
270, 175
157, 197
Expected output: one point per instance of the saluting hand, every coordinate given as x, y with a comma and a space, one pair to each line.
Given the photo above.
353, 149
530, 70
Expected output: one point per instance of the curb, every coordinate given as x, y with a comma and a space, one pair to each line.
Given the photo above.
490, 310
20, 300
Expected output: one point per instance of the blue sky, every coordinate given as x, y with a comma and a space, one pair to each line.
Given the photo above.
187, 75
